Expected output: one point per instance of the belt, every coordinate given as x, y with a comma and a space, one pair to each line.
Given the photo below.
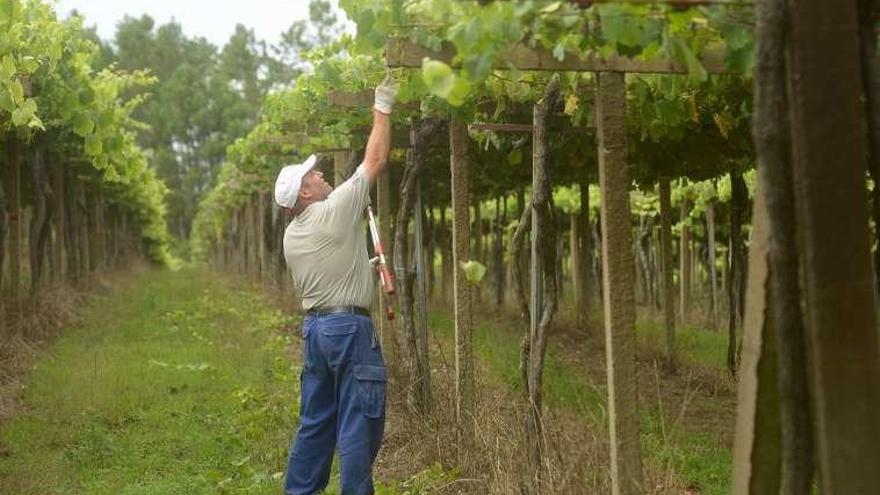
329, 310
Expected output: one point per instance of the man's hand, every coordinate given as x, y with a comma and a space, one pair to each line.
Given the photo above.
386, 94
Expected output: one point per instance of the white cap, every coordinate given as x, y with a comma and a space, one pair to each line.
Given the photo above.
289, 181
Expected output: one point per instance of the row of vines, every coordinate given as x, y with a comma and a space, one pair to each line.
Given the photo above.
78, 194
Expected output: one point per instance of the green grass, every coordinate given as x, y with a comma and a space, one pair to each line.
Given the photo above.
175, 384
694, 456
704, 347
499, 349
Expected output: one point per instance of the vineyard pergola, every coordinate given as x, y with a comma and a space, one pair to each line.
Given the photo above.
618, 263
550, 145
617, 258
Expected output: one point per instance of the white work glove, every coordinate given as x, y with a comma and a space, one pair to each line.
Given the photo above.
386, 94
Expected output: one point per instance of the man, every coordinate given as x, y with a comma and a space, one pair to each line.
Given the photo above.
343, 378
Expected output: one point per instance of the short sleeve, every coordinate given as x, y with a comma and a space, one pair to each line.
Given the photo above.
346, 203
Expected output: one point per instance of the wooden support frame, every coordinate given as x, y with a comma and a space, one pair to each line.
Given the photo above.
523, 128
399, 140
364, 99
420, 286
757, 454
678, 3
12, 185
829, 163
464, 354
400, 52
617, 273
495, 127
665, 193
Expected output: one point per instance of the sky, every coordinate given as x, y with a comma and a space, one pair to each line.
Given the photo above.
213, 19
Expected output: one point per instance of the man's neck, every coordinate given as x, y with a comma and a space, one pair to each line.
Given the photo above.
301, 207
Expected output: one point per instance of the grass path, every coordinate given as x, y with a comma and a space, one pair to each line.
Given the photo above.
175, 383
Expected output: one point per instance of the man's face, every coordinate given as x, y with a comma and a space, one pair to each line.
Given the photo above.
314, 186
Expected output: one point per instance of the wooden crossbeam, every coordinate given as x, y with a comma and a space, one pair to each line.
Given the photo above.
673, 3
399, 139
363, 99
318, 151
295, 139
676, 3
524, 128
400, 52
489, 126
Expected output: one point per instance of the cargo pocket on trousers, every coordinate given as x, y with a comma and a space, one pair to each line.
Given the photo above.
371, 388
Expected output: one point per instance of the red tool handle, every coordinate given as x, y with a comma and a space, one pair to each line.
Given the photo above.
385, 275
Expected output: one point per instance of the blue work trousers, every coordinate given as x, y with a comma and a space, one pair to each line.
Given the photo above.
342, 405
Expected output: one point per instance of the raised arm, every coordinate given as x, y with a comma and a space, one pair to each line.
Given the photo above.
379, 143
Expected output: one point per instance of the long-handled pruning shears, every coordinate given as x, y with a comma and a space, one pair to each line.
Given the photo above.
381, 265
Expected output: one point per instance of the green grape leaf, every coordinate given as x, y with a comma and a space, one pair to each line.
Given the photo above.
56, 52
17, 92
627, 32
86, 95
110, 173
682, 53
69, 103
36, 123
114, 144
515, 157
438, 77
459, 93
477, 66
559, 51
737, 37
553, 7
82, 125
105, 119
695, 66
474, 271
93, 145
741, 60
441, 81
7, 67
6, 7
6, 102
24, 113
29, 64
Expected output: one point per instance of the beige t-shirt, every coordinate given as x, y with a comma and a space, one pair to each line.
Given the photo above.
325, 248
